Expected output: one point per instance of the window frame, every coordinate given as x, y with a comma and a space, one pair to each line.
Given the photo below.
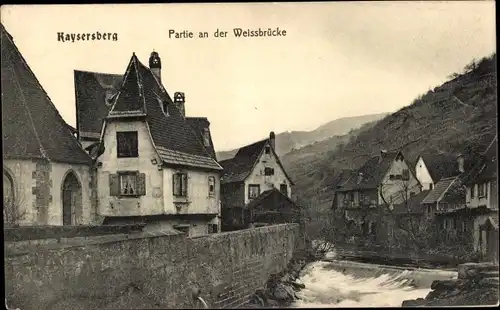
285, 186
211, 182
182, 194
253, 186
123, 134
405, 174
266, 169
206, 137
135, 174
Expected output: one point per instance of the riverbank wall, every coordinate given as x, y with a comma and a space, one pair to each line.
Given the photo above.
140, 270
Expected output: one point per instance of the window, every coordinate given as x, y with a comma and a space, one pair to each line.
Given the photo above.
361, 197
211, 186
430, 186
212, 228
127, 184
127, 145
406, 174
482, 191
267, 150
206, 137
284, 189
268, 171
253, 191
180, 184
472, 191
183, 228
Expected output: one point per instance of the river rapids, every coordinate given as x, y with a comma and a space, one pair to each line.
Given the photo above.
333, 284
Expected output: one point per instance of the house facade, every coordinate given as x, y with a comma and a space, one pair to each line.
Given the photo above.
373, 190
47, 176
255, 169
134, 156
482, 194
155, 165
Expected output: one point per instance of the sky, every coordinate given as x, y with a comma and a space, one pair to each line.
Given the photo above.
338, 59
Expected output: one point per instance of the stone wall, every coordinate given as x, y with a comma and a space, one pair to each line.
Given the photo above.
139, 271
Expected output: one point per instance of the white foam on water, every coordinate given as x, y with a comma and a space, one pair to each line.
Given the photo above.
326, 287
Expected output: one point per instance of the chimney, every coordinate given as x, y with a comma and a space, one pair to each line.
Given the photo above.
155, 65
460, 162
272, 139
179, 100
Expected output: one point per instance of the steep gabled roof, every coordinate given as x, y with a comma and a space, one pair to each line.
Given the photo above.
198, 124
486, 168
440, 165
439, 190
142, 95
413, 205
31, 125
372, 172
275, 197
238, 168
94, 94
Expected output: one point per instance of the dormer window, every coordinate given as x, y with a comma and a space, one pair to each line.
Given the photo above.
164, 105
206, 137
165, 108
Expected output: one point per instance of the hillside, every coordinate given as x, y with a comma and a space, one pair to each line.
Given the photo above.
289, 141
458, 116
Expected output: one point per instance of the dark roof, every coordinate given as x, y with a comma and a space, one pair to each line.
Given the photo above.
414, 204
440, 165
31, 125
141, 94
238, 168
94, 93
198, 124
486, 168
373, 172
342, 177
437, 193
271, 197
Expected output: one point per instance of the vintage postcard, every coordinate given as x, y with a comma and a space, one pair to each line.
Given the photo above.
250, 155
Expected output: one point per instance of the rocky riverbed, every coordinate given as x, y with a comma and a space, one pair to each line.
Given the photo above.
477, 284
280, 290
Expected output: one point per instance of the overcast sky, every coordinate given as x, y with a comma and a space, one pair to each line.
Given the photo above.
336, 60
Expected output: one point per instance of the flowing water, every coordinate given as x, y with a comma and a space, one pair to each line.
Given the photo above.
350, 284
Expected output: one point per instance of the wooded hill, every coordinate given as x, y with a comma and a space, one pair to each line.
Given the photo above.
457, 117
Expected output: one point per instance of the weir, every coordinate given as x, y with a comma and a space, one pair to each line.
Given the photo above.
337, 283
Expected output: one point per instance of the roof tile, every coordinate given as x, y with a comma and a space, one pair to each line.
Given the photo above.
26, 112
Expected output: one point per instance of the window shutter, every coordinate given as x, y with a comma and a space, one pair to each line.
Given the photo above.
174, 185
184, 184
141, 184
114, 185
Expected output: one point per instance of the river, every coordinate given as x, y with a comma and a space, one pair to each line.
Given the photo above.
349, 284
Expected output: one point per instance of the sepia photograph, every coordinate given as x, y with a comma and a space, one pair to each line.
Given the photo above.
332, 154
